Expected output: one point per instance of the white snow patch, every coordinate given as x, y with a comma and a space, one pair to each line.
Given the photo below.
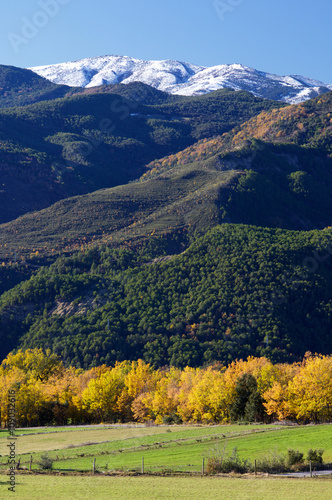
176, 77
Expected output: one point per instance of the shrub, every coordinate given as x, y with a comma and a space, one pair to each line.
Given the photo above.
220, 461
294, 457
45, 462
315, 456
272, 463
172, 418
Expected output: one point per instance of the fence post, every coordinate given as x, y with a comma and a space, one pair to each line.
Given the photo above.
94, 466
30, 463
142, 468
203, 466
255, 467
310, 469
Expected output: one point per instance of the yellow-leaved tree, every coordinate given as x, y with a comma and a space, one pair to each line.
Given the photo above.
140, 383
209, 397
310, 391
164, 400
26, 373
276, 398
101, 396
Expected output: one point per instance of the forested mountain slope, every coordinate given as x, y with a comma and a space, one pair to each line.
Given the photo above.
64, 147
263, 184
20, 87
203, 258
237, 291
307, 125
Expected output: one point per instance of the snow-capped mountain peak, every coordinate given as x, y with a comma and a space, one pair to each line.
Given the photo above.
176, 77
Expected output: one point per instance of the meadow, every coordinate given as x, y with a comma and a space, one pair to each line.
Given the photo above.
166, 449
173, 458
175, 488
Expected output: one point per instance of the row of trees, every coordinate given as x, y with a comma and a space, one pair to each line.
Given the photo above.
45, 392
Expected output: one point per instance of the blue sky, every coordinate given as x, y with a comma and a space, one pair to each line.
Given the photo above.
278, 36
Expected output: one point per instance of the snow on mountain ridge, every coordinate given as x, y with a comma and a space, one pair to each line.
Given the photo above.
176, 77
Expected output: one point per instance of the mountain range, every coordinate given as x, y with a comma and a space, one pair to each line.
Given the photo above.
73, 141
181, 229
180, 78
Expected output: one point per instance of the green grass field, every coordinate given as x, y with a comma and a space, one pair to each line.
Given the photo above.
164, 448
150, 488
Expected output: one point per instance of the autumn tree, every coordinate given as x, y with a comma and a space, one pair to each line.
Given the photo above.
102, 393
276, 398
39, 365
310, 391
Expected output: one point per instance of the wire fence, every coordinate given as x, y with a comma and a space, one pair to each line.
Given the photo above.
146, 466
